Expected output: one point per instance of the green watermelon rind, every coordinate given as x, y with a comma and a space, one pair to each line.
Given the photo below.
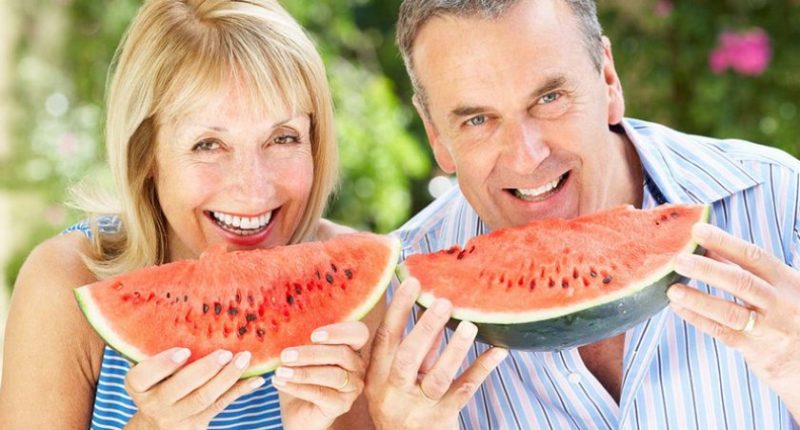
556, 328
133, 354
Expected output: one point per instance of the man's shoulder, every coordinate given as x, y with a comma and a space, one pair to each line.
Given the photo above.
749, 155
427, 225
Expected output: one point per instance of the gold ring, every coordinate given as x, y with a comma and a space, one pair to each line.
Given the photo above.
424, 394
751, 322
346, 381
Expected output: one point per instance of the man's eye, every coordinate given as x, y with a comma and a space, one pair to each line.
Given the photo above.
477, 120
206, 145
549, 98
286, 138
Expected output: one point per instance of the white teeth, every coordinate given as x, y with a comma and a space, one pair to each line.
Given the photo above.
535, 192
242, 223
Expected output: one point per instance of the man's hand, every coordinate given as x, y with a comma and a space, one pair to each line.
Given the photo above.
765, 327
407, 386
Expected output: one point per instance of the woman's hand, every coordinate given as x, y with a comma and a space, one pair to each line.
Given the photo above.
320, 382
407, 386
173, 395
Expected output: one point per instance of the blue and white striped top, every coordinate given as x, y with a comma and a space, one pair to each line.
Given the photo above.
674, 376
113, 407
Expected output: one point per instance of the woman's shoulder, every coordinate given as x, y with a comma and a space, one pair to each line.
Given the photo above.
60, 256
327, 229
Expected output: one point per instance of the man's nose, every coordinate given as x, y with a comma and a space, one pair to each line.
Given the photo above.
526, 147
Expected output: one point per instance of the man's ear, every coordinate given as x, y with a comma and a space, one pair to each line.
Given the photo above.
440, 151
616, 100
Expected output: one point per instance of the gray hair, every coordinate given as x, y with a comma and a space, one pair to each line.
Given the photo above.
415, 13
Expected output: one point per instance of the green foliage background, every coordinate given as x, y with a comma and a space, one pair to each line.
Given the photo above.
60, 61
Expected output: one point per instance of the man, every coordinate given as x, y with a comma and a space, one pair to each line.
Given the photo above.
521, 100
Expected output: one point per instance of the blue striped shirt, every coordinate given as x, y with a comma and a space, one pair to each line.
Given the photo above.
113, 407
674, 376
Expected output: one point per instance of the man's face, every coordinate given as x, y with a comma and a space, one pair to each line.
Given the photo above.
520, 112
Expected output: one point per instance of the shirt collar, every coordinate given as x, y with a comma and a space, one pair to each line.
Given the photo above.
685, 168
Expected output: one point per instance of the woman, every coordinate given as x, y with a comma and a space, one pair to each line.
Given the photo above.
218, 131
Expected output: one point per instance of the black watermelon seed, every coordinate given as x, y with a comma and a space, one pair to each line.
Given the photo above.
242, 330
233, 311
329, 278
674, 214
260, 332
461, 255
290, 299
452, 250
217, 308
250, 317
607, 280
574, 273
136, 294
348, 273
593, 274
168, 294
551, 284
185, 298
205, 308
298, 289
472, 249
532, 284
318, 275
658, 223
334, 268
238, 297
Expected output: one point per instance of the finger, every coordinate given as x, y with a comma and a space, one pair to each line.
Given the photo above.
730, 278
238, 390
415, 347
390, 331
192, 376
150, 372
321, 355
716, 256
330, 401
465, 386
208, 394
436, 383
720, 310
325, 376
727, 335
433, 354
354, 334
750, 257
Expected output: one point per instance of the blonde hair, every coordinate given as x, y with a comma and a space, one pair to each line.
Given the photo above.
174, 55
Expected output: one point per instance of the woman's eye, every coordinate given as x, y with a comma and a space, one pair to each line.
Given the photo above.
477, 120
286, 138
206, 145
549, 98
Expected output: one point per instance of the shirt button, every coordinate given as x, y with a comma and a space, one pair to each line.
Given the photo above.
574, 377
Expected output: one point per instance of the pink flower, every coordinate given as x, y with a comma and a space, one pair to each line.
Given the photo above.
747, 52
664, 7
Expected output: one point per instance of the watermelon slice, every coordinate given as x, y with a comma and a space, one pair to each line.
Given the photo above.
556, 284
260, 301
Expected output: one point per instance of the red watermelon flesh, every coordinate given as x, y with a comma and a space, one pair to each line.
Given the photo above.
260, 301
555, 267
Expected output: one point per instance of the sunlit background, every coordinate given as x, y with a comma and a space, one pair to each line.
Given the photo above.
727, 68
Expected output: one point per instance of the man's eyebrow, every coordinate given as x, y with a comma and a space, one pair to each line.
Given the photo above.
551, 84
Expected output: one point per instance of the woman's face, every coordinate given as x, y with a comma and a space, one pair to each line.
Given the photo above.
225, 174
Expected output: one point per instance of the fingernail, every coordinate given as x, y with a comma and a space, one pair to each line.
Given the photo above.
242, 360
500, 354
255, 383
181, 355
278, 382
284, 372
224, 357
676, 293
702, 231
440, 307
467, 330
289, 356
319, 336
